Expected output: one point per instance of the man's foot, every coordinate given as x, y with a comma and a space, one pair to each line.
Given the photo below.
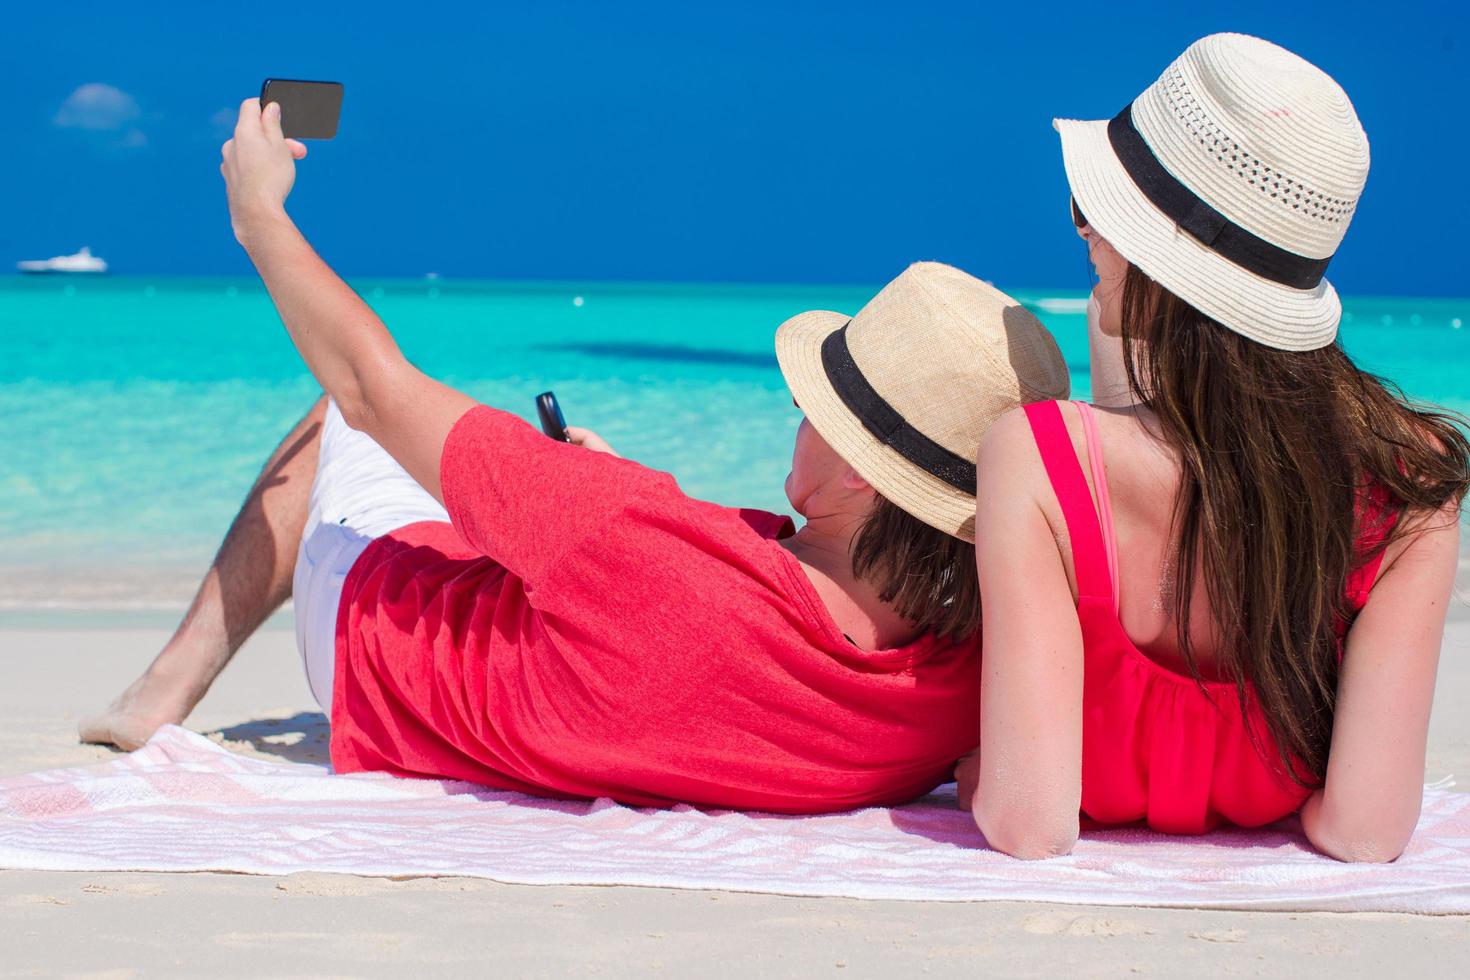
148, 704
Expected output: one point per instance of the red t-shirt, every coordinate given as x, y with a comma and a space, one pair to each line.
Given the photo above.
584, 629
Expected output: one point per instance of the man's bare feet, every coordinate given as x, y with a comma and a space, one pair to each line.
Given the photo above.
148, 704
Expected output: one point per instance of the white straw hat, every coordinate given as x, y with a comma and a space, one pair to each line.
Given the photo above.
904, 390
1230, 181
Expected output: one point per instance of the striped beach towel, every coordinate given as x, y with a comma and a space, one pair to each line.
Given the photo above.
184, 803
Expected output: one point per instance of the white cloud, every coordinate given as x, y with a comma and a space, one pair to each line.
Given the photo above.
103, 108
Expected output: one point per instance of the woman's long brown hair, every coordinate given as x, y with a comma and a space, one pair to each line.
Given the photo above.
1275, 449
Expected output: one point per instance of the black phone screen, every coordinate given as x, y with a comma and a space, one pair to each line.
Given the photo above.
309, 110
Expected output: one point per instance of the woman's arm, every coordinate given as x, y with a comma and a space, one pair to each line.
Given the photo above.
343, 342
1368, 805
1028, 789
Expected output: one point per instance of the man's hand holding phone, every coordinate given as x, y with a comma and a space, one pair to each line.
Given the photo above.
588, 439
259, 163
259, 167
554, 424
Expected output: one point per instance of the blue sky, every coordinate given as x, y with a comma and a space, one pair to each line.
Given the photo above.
746, 142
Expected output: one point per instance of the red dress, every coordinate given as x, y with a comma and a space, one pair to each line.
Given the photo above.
586, 629
1156, 745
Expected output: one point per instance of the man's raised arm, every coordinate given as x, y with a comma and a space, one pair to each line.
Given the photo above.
346, 346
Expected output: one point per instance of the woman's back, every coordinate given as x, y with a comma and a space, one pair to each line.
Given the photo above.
1158, 745
1142, 474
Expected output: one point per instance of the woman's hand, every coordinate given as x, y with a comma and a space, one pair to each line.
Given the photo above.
967, 777
259, 167
588, 439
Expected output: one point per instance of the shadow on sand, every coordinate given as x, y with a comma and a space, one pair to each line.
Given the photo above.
299, 738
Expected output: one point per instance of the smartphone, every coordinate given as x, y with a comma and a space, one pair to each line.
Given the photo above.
309, 110
552, 422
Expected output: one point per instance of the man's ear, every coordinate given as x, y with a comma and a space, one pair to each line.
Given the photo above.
853, 480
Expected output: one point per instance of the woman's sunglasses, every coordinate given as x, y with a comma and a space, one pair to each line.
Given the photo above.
1078, 218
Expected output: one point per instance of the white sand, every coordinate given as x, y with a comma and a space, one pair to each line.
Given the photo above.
119, 925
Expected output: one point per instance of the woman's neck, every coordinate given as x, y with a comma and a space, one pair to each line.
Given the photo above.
1110, 387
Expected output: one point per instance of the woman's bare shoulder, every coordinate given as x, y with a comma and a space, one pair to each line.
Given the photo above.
1009, 463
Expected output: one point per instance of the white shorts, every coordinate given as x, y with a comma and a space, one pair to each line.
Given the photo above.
360, 493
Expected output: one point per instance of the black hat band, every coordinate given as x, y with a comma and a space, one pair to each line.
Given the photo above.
1213, 230
880, 418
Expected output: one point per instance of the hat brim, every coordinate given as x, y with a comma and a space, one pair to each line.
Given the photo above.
1268, 312
925, 496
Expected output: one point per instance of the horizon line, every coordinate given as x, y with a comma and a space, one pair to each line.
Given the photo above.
430, 279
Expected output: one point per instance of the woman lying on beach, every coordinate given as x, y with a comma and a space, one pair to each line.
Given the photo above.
1220, 598
476, 601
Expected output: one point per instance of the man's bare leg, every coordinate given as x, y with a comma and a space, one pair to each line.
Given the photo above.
249, 579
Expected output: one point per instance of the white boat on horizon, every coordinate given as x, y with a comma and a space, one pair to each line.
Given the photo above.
81, 262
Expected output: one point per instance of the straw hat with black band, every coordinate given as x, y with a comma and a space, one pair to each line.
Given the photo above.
904, 390
1230, 182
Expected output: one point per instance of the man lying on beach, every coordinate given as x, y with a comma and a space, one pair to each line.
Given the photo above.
476, 601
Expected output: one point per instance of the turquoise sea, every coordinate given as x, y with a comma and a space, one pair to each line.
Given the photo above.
135, 413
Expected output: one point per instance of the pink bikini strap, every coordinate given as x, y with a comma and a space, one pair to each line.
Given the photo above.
1104, 499
1089, 550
